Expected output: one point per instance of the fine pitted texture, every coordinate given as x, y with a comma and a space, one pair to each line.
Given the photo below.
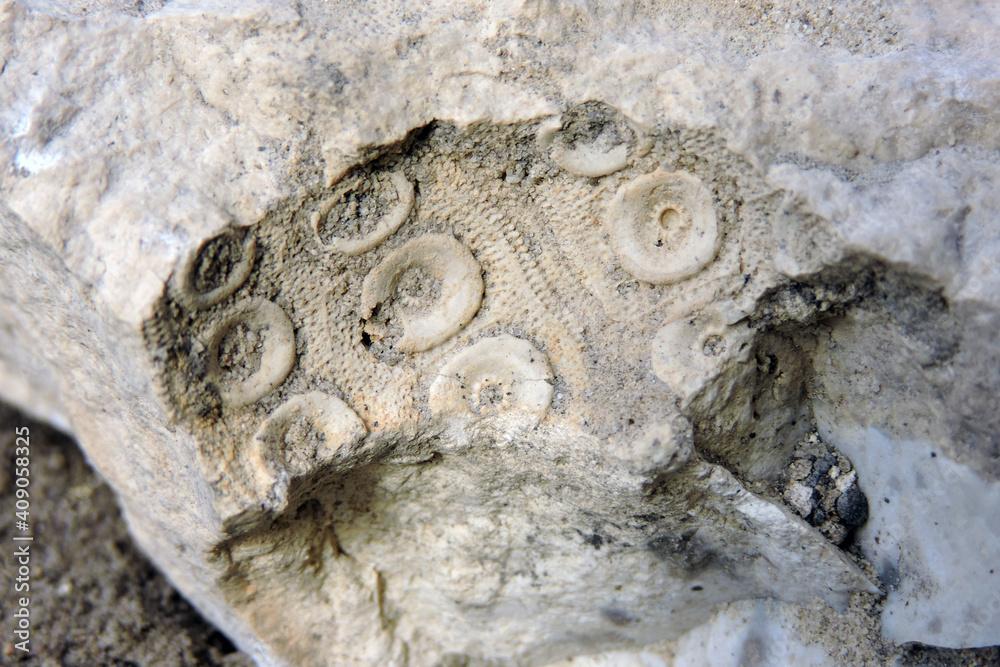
502, 334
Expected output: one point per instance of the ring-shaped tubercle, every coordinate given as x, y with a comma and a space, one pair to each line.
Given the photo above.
447, 261
277, 358
330, 416
186, 290
386, 226
583, 159
514, 367
663, 226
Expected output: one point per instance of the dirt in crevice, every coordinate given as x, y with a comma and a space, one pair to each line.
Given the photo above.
778, 383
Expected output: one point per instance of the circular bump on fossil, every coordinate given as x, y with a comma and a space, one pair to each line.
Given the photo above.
264, 327
303, 434
589, 140
663, 226
689, 352
499, 374
461, 289
216, 269
388, 221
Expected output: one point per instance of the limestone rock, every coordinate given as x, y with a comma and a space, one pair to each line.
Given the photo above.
488, 333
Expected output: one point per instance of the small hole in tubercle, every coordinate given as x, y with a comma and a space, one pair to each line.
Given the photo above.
669, 217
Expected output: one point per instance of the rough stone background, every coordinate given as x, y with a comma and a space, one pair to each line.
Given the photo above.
879, 118
102, 603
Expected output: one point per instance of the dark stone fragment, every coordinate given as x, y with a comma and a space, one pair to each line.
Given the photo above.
820, 469
817, 517
852, 507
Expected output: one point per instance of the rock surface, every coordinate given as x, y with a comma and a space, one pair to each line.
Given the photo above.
104, 604
95, 599
489, 332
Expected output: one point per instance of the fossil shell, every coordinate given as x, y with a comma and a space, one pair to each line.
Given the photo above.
277, 358
690, 351
446, 260
331, 417
510, 369
663, 226
388, 224
583, 159
198, 262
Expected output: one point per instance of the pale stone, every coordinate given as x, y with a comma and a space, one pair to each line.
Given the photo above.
486, 332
